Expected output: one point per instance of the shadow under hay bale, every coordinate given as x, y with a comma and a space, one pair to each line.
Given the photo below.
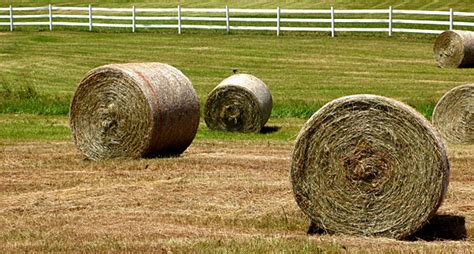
438, 228
314, 229
368, 165
453, 115
454, 49
269, 129
241, 103
134, 110
442, 227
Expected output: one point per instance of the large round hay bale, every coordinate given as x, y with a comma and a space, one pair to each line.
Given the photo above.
241, 103
454, 49
453, 115
134, 110
369, 165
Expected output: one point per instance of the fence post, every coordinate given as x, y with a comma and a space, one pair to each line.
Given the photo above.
90, 17
227, 18
134, 19
50, 8
11, 18
333, 25
179, 18
390, 20
451, 19
278, 21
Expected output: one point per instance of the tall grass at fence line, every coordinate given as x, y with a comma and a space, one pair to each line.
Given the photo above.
27, 99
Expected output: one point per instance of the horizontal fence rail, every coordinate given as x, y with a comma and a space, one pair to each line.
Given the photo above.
277, 20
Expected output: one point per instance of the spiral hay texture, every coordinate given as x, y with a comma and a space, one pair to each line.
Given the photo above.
453, 115
134, 110
240, 103
369, 165
455, 49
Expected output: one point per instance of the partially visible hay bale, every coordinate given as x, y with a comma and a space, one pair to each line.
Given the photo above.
455, 49
241, 102
453, 115
134, 110
369, 165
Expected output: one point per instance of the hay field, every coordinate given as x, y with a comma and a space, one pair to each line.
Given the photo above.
231, 196
229, 192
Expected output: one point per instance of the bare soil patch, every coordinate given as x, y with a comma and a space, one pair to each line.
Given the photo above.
52, 199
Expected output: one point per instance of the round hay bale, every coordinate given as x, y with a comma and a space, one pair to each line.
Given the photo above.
454, 49
134, 110
453, 115
369, 165
241, 103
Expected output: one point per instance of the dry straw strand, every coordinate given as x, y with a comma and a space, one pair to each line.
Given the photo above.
454, 49
453, 115
369, 165
241, 103
134, 110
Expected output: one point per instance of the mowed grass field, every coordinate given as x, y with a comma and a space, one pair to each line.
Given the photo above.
229, 192
303, 71
40, 69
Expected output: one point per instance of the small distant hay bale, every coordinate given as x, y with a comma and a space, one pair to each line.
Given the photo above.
453, 115
240, 103
134, 110
454, 49
369, 165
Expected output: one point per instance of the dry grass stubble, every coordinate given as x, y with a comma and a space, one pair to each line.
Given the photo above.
50, 199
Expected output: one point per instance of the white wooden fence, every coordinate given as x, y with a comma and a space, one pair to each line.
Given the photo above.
282, 20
